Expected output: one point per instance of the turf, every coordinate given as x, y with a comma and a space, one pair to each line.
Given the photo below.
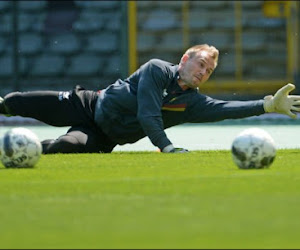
150, 200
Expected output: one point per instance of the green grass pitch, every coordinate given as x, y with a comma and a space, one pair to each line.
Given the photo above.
150, 200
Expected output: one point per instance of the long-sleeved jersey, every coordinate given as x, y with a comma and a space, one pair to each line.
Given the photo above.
150, 100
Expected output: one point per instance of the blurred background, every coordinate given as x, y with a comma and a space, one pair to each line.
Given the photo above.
58, 44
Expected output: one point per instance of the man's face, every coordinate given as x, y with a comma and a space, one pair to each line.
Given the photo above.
195, 71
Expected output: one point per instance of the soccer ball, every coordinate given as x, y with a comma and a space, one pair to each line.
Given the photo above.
20, 148
253, 148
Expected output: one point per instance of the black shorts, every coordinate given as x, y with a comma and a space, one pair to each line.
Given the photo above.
73, 108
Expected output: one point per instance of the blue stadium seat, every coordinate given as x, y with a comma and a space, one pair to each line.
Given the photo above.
103, 5
171, 41
38, 24
3, 45
66, 43
226, 65
199, 19
6, 24
30, 43
208, 4
103, 42
161, 20
6, 65
48, 65
254, 40
84, 65
221, 40
177, 5
264, 22
224, 20
5, 6
145, 5
113, 66
32, 5
113, 22
89, 21
25, 21
252, 4
146, 41
265, 70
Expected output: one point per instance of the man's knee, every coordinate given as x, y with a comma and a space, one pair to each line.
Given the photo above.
65, 144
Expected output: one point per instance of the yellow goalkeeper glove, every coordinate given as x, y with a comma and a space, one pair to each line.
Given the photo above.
282, 102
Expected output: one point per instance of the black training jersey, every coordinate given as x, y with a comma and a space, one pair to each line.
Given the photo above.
151, 100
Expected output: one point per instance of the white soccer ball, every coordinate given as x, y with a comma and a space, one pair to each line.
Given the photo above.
253, 148
20, 148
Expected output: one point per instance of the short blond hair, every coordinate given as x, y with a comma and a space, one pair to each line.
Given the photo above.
211, 50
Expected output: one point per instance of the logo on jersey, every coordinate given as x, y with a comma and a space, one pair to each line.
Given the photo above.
63, 95
165, 93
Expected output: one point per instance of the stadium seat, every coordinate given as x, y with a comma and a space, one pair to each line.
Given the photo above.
6, 26
89, 21
177, 5
145, 5
113, 22
3, 45
48, 65
226, 65
264, 22
146, 41
255, 19
221, 40
264, 71
171, 41
113, 66
30, 43
200, 5
6, 65
103, 5
252, 4
66, 43
103, 42
224, 20
161, 20
5, 6
24, 22
84, 65
199, 19
38, 24
253, 40
32, 5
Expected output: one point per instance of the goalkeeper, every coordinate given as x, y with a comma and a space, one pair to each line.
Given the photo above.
157, 96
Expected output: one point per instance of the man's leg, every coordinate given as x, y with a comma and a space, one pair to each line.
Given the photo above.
51, 107
79, 140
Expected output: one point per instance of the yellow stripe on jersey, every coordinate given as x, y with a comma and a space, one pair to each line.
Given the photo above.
174, 107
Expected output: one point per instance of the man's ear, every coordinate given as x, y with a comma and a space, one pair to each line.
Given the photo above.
184, 58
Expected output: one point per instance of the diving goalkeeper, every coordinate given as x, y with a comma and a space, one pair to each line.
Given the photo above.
157, 96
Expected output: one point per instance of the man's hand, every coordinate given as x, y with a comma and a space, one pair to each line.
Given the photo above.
282, 102
170, 149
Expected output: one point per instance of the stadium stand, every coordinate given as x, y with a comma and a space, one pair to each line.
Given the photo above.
88, 44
